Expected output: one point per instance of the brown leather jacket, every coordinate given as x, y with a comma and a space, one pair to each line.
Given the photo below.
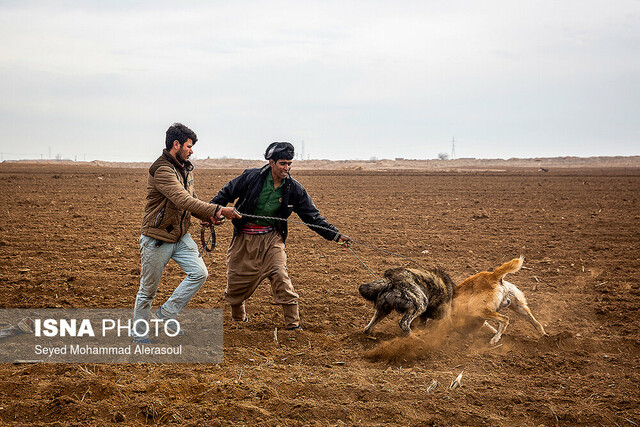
170, 198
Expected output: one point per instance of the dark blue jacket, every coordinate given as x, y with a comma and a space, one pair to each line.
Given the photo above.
247, 187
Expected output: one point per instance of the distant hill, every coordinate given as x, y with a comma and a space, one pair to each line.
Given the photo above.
467, 164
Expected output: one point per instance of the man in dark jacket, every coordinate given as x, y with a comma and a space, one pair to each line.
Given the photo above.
257, 250
171, 200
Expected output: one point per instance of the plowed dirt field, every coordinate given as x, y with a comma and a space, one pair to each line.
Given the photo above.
69, 239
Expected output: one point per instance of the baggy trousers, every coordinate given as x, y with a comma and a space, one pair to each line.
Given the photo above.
251, 258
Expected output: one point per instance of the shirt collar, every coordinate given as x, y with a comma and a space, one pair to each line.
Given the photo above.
270, 181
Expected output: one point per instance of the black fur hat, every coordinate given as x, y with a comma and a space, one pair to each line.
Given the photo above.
279, 150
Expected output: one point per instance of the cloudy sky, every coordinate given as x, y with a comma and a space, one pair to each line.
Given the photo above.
350, 79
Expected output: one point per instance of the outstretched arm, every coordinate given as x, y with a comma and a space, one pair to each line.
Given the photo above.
167, 183
231, 191
309, 214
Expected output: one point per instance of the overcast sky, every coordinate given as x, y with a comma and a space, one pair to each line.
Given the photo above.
352, 79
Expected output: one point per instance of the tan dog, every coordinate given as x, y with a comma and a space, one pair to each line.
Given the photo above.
480, 297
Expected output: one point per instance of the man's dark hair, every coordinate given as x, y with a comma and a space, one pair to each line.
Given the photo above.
181, 133
279, 150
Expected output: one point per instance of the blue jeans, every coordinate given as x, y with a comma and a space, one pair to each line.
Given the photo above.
153, 260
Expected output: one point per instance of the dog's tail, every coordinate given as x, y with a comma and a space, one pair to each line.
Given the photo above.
509, 267
371, 290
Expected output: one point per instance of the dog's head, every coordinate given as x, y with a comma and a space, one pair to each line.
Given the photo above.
371, 290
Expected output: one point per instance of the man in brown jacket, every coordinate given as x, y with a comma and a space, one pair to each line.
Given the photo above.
171, 200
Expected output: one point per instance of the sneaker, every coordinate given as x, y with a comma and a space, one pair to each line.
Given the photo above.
141, 340
294, 328
246, 319
170, 326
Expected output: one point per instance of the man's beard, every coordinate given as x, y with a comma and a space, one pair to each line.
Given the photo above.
179, 158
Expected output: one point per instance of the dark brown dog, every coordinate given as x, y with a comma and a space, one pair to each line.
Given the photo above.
480, 297
414, 293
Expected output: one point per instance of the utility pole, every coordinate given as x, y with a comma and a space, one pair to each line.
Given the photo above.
453, 148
